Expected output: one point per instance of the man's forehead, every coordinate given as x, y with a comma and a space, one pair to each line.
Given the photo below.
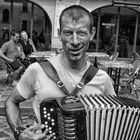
16, 34
82, 22
75, 19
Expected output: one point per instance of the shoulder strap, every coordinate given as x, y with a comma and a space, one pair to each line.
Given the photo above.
52, 73
88, 76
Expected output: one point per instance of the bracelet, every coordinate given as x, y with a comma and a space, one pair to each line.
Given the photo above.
18, 131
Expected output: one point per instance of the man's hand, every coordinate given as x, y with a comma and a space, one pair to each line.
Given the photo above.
10, 60
35, 133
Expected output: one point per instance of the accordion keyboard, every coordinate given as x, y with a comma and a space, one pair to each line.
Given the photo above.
49, 119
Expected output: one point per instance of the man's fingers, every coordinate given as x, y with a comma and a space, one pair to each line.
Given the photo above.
46, 131
50, 136
40, 136
36, 127
45, 136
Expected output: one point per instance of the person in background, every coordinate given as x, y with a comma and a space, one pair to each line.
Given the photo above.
28, 47
12, 53
123, 43
35, 40
27, 43
111, 49
76, 30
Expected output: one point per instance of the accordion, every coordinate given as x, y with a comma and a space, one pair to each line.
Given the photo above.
97, 117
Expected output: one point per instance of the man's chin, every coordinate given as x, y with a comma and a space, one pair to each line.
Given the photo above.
75, 58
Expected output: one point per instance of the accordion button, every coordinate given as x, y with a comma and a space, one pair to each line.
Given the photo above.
45, 116
51, 109
49, 118
53, 124
45, 112
44, 108
52, 120
48, 114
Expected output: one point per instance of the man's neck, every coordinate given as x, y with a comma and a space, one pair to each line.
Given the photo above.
77, 65
13, 41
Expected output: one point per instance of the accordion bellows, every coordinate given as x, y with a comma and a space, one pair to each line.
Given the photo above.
97, 117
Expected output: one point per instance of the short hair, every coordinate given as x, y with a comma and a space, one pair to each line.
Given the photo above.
75, 12
13, 32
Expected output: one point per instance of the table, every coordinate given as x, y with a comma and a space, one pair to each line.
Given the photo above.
114, 70
97, 55
42, 54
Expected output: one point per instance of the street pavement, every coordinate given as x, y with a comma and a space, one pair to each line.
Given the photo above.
27, 112
26, 107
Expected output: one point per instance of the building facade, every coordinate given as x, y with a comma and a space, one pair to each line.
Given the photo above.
117, 22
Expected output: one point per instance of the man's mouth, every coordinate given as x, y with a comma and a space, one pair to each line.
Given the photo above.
75, 51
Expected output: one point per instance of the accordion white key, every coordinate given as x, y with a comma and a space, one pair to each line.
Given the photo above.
96, 117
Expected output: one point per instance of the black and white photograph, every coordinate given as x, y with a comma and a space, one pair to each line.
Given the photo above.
69, 69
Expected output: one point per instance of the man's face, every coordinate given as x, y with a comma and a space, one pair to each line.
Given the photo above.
75, 37
16, 38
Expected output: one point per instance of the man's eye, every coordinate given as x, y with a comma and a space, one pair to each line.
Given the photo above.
67, 33
81, 33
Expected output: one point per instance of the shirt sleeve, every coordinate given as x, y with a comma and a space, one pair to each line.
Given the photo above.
4, 48
109, 88
26, 84
21, 48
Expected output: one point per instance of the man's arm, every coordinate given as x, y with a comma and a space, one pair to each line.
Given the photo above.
5, 58
13, 113
109, 88
3, 50
22, 52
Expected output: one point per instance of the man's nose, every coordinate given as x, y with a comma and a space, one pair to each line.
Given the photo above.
75, 39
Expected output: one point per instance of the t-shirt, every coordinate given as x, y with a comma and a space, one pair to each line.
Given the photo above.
11, 49
27, 48
35, 83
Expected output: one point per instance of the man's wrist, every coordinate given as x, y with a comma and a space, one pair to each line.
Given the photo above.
10, 60
18, 131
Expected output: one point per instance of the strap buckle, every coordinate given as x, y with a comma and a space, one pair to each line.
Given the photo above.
60, 84
80, 85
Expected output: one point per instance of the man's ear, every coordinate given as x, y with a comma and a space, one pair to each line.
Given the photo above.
59, 34
93, 31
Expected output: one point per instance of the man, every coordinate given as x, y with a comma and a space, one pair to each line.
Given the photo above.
75, 33
11, 52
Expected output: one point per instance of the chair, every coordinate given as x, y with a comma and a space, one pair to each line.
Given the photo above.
114, 56
9, 73
12, 73
129, 77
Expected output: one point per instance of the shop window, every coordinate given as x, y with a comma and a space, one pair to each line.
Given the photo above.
5, 16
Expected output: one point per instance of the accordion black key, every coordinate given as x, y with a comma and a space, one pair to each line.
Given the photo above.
95, 117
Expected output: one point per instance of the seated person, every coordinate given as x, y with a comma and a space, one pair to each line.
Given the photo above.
12, 53
27, 45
